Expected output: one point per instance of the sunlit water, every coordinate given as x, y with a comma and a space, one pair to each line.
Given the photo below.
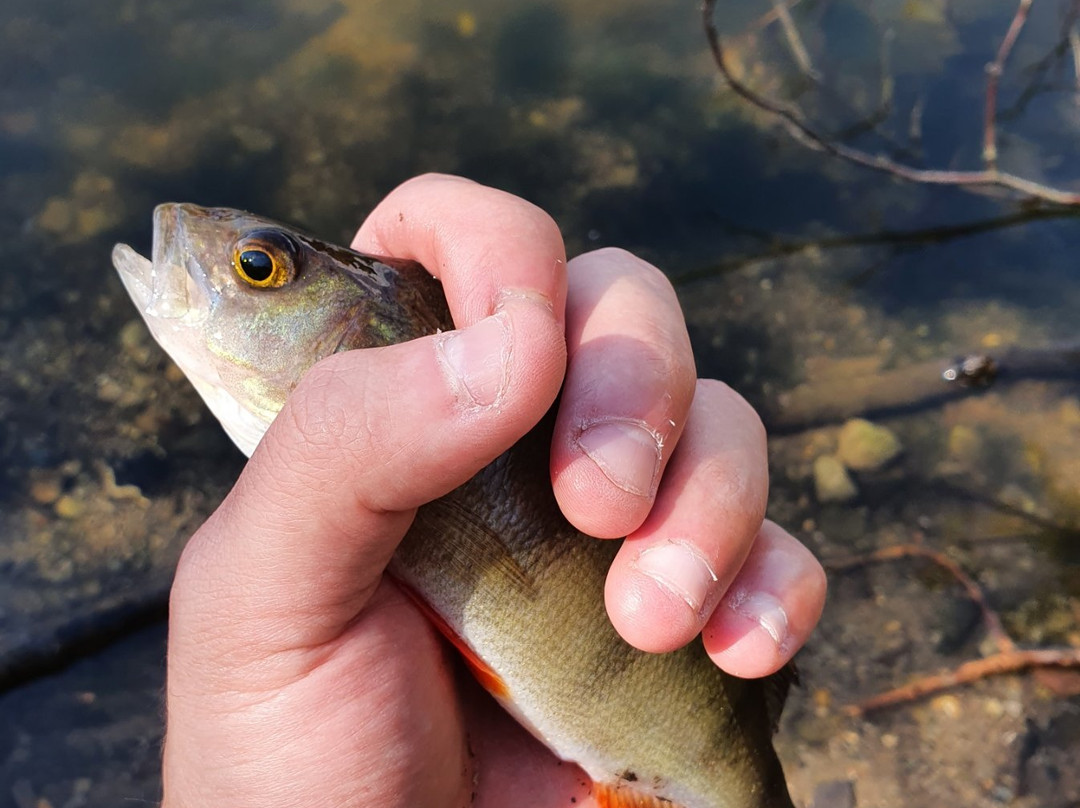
793, 266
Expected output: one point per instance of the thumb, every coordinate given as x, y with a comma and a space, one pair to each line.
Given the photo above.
298, 547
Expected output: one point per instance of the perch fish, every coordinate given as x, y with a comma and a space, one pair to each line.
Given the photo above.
245, 306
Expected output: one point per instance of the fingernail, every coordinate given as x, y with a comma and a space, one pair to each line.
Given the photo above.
765, 610
681, 570
476, 359
627, 452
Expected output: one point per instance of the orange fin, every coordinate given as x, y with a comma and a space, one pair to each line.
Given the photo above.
621, 795
488, 679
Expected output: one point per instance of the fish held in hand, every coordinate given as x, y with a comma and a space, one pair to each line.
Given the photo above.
245, 306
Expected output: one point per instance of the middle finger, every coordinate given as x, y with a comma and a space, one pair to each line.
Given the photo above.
629, 383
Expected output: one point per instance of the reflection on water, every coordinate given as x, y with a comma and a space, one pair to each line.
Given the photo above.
793, 268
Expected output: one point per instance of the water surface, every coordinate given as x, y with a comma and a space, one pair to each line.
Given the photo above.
793, 267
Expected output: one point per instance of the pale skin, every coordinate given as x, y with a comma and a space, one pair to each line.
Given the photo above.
298, 674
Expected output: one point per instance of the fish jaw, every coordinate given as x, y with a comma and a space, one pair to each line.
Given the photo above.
175, 298
245, 347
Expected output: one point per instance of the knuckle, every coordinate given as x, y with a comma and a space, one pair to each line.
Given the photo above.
656, 281
624, 262
736, 491
716, 394
667, 362
542, 227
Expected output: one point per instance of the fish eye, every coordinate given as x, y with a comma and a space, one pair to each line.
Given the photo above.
265, 259
256, 266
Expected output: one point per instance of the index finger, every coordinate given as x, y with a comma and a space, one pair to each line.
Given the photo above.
482, 243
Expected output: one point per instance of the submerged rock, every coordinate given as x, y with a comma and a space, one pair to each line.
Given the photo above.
864, 446
832, 483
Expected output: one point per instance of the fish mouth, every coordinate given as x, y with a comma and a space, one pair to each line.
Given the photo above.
172, 292
176, 297
172, 286
135, 273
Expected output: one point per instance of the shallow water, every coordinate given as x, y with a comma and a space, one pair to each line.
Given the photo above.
794, 267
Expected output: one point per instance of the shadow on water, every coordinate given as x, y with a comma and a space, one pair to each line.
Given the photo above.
153, 55
225, 174
529, 53
19, 155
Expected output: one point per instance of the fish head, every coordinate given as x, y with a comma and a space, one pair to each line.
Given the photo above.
245, 305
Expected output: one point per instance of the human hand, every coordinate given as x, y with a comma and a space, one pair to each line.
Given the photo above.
299, 675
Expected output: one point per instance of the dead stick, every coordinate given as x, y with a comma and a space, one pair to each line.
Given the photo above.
989, 177
913, 387
994, 665
1074, 46
974, 591
769, 17
993, 76
795, 43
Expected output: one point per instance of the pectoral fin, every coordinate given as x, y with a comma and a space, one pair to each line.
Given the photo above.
449, 537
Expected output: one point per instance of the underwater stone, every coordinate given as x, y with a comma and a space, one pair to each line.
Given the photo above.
864, 446
832, 483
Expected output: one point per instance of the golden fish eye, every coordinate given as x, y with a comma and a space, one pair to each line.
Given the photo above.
256, 266
264, 260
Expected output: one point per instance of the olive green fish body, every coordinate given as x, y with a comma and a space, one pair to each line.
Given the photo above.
245, 306
524, 589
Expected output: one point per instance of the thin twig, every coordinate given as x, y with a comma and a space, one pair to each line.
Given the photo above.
1074, 45
896, 239
1007, 659
795, 43
974, 592
993, 74
769, 17
1053, 58
993, 665
915, 122
884, 109
986, 178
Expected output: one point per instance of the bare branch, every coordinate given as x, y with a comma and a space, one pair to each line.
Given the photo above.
994, 665
767, 19
993, 73
1074, 46
973, 590
989, 177
795, 43
1008, 659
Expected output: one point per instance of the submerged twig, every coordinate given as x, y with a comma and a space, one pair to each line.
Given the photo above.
994, 665
1007, 659
769, 17
795, 43
1067, 42
973, 590
792, 118
897, 239
1074, 46
993, 76
916, 386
